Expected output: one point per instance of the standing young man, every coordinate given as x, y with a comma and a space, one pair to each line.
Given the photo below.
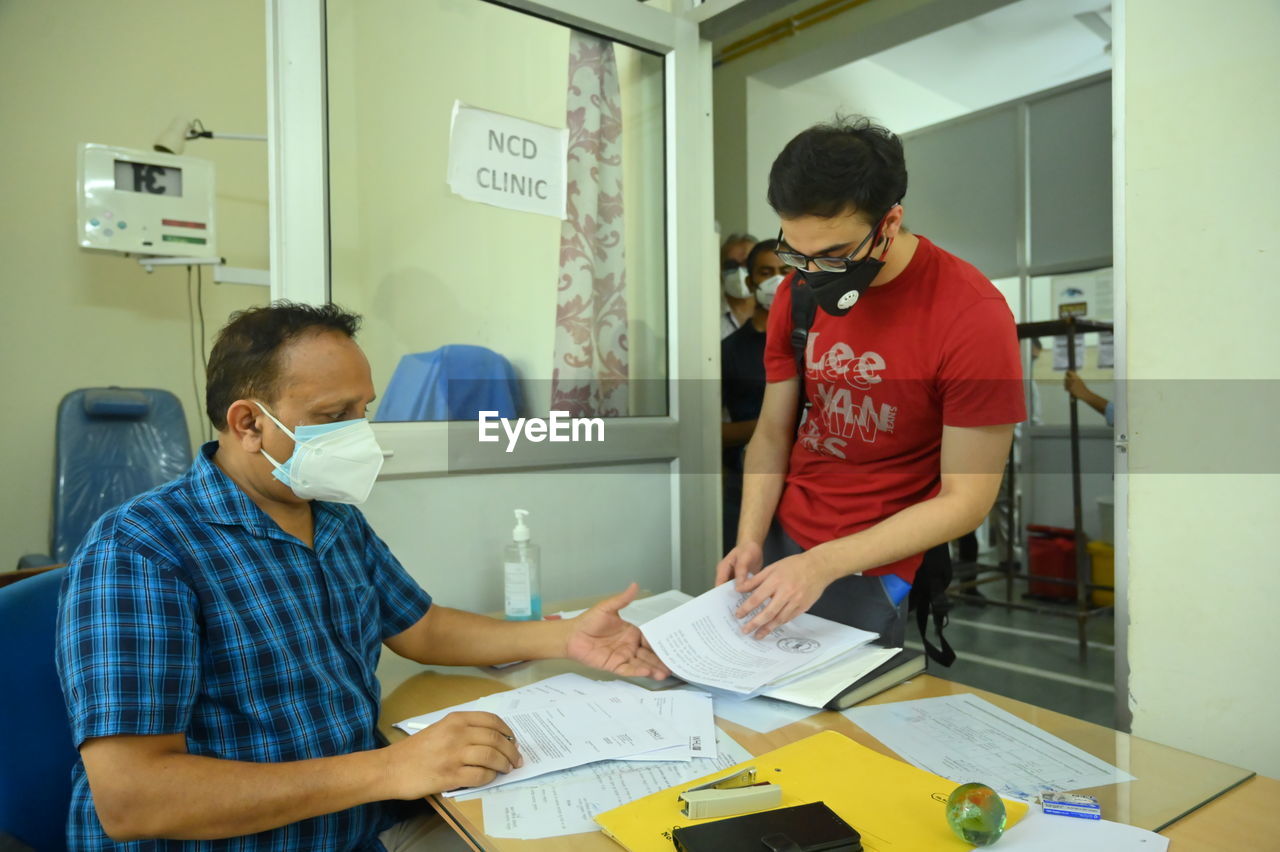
912, 383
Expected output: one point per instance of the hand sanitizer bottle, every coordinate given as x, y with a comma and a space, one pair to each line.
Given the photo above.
522, 576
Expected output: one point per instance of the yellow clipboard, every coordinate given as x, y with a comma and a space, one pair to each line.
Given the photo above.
893, 805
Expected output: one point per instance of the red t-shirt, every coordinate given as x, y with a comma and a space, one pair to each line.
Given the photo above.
934, 346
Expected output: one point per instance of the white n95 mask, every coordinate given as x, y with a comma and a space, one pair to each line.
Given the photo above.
337, 462
767, 289
734, 283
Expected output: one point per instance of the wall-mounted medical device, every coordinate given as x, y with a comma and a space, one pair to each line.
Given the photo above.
144, 202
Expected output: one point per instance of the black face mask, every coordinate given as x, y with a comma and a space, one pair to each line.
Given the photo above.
837, 292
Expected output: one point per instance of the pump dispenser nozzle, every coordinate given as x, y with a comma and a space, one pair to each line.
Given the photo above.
521, 532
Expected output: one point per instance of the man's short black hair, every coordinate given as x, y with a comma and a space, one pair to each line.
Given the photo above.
758, 249
245, 361
851, 164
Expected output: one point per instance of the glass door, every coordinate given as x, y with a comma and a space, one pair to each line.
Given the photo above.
564, 251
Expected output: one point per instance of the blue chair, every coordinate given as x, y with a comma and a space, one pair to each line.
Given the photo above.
35, 736
454, 382
112, 444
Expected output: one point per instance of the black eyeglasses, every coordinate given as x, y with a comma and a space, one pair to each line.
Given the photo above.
826, 264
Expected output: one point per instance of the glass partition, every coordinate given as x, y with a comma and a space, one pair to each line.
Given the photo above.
548, 293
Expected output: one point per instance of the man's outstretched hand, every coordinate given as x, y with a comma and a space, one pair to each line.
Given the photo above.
601, 639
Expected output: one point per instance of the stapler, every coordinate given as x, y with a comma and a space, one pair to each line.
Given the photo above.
739, 793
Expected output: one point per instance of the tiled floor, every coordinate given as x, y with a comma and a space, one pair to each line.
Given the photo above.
1031, 657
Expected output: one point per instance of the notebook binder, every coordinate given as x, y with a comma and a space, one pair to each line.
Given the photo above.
802, 828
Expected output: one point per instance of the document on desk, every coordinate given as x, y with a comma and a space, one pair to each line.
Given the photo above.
689, 714
964, 738
816, 688
1041, 832
702, 642
567, 802
569, 720
571, 733
559, 688
695, 716
760, 714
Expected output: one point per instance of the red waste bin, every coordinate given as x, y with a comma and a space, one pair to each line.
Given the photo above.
1051, 552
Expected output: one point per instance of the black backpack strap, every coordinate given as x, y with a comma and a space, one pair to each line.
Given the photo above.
929, 594
804, 307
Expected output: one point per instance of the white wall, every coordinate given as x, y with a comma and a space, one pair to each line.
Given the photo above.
774, 117
599, 529
1201, 231
76, 71
873, 89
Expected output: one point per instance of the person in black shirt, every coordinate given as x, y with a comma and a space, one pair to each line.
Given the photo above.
742, 377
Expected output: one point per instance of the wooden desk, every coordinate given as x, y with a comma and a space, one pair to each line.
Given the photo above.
1246, 817
1170, 783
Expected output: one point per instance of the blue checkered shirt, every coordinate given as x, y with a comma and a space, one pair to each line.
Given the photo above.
188, 610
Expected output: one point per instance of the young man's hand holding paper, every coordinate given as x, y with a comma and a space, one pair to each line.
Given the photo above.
702, 642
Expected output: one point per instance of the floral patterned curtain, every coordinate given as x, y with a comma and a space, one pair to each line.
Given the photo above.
589, 374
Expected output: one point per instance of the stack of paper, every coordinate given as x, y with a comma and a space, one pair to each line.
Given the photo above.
965, 738
569, 720
568, 801
702, 642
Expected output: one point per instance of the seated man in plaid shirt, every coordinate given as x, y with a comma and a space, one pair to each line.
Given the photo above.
218, 635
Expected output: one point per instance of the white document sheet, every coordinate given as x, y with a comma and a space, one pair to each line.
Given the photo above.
1060, 352
642, 610
964, 738
702, 642
687, 712
1107, 350
543, 716
559, 688
584, 730
567, 802
759, 714
1041, 832
815, 689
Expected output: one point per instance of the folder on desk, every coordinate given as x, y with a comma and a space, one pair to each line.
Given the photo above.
892, 804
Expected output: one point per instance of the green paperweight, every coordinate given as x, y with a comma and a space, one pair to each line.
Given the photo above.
976, 814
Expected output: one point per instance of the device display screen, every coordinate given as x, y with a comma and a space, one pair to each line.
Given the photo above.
148, 178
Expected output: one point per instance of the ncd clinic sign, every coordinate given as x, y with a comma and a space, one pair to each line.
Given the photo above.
507, 162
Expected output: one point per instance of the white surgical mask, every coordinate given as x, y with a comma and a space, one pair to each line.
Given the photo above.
767, 290
337, 462
735, 283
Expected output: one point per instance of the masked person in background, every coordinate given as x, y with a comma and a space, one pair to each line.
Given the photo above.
218, 636
742, 377
912, 384
736, 302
